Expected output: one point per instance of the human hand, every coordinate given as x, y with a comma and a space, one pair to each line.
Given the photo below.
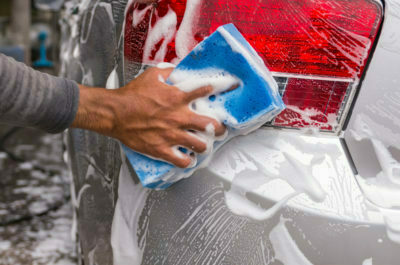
149, 116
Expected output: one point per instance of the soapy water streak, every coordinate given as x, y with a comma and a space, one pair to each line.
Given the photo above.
383, 190
285, 247
312, 117
163, 31
245, 182
275, 164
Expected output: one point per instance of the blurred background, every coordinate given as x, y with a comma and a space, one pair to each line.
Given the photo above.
36, 221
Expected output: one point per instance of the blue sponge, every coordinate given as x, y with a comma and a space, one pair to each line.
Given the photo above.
219, 60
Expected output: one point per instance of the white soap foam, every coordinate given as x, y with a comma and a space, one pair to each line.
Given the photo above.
185, 41
165, 65
274, 164
87, 30
382, 190
392, 221
367, 262
79, 196
297, 174
235, 202
76, 53
285, 248
209, 141
163, 30
112, 80
138, 15
188, 80
161, 79
175, 150
108, 8
210, 130
127, 247
305, 116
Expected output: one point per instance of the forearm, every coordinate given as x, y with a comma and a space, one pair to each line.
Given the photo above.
30, 98
96, 110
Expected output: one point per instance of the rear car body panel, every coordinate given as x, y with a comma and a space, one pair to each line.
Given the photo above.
373, 132
272, 197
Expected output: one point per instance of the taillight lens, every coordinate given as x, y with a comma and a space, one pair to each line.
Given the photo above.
316, 49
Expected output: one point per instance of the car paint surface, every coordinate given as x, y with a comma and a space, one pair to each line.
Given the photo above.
326, 220
373, 133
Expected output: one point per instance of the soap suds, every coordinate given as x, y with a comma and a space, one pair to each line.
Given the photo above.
367, 262
161, 79
305, 117
164, 31
79, 196
235, 202
285, 248
392, 221
274, 164
383, 190
184, 40
164, 65
127, 248
220, 81
138, 15
112, 80
85, 32
297, 174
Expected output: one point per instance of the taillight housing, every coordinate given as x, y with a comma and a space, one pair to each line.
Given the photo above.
316, 49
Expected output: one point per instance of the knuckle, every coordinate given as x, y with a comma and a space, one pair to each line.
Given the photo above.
152, 70
200, 121
209, 89
202, 147
181, 162
203, 91
184, 163
176, 97
179, 96
170, 134
179, 120
219, 128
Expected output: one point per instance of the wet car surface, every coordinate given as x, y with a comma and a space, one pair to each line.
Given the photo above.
276, 196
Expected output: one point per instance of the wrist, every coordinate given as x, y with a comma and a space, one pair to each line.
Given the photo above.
96, 110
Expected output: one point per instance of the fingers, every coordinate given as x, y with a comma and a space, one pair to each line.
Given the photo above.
203, 124
207, 90
190, 141
164, 72
233, 87
176, 157
199, 93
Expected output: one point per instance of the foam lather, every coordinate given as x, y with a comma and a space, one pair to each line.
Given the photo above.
223, 60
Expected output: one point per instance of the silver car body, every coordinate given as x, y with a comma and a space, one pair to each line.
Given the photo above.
272, 197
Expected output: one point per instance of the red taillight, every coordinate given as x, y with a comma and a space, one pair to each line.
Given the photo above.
317, 49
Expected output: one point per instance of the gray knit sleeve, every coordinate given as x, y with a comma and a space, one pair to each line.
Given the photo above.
29, 98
